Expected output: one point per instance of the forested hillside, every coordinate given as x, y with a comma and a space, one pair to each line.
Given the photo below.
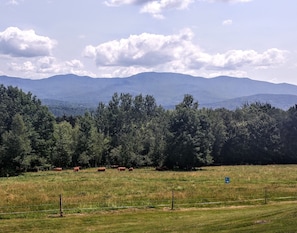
72, 95
135, 131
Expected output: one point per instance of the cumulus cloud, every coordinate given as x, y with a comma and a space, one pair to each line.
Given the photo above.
141, 50
125, 2
153, 7
27, 66
235, 59
24, 43
156, 7
48, 65
75, 64
175, 53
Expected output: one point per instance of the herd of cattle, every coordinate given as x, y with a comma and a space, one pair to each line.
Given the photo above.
119, 168
100, 169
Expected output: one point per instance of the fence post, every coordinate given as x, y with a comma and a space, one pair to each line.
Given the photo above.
172, 200
61, 206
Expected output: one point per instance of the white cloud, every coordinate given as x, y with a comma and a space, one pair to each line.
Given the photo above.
153, 7
12, 2
125, 2
89, 51
227, 1
45, 66
76, 64
234, 59
175, 53
140, 50
175, 3
45, 63
24, 43
156, 7
227, 22
111, 72
27, 66
236, 1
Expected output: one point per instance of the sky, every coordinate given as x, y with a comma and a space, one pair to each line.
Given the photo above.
120, 38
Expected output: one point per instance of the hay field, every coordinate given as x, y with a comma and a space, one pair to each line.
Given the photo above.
130, 198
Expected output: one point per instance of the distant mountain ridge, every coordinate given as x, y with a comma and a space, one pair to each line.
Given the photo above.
167, 88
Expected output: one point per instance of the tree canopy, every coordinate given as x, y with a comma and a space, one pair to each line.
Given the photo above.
135, 131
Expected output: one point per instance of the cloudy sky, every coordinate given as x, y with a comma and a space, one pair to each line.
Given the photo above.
118, 38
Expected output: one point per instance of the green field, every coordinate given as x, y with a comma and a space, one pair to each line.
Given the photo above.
257, 199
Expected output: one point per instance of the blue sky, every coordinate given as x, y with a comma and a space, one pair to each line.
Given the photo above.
119, 38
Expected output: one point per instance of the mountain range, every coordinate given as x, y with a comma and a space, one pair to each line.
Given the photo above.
167, 88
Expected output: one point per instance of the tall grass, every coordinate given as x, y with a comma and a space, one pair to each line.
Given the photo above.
30, 202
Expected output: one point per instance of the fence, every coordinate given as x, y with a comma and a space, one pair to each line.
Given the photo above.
63, 207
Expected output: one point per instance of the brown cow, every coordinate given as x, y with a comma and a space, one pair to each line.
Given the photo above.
57, 169
101, 169
163, 168
76, 169
121, 168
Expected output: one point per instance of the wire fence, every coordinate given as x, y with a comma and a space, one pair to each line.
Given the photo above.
63, 207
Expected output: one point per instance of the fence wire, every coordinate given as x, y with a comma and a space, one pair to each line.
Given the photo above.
54, 209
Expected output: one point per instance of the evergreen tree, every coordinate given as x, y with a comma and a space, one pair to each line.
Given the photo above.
16, 147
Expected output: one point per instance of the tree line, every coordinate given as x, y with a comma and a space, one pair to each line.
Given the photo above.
135, 131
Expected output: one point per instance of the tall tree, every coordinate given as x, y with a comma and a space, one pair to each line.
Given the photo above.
16, 146
219, 119
64, 145
90, 144
37, 119
185, 142
263, 143
289, 136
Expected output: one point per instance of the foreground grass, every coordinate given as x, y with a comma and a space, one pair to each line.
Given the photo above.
277, 217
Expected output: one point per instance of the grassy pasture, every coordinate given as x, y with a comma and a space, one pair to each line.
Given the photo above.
140, 201
277, 217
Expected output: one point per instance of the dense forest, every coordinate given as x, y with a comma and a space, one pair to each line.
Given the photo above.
135, 131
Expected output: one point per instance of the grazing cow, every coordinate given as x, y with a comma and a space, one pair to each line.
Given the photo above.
101, 169
57, 169
121, 168
76, 169
163, 168
114, 166
130, 169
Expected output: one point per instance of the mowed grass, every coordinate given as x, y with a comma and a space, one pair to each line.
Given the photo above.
140, 201
277, 217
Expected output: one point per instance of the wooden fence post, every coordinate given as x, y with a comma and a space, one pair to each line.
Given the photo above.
172, 200
61, 206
